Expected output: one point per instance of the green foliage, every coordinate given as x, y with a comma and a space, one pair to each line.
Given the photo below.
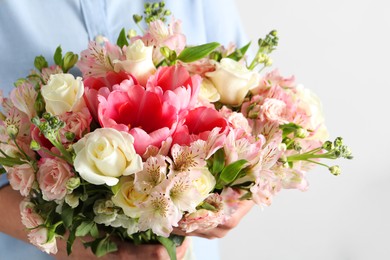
102, 246
194, 53
239, 53
40, 63
67, 61
122, 39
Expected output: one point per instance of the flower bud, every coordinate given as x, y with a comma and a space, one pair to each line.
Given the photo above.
73, 183
301, 133
137, 18
335, 170
34, 145
131, 33
12, 131
338, 142
328, 145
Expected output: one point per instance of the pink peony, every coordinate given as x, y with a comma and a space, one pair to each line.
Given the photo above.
21, 178
150, 117
95, 86
176, 79
52, 176
199, 124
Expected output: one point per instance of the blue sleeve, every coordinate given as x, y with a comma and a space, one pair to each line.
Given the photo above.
3, 180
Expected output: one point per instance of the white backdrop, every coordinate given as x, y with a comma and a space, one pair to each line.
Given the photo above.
340, 49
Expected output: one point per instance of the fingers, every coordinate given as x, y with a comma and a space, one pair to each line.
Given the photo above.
223, 229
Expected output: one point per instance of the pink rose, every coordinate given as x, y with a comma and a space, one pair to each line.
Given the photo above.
52, 176
39, 238
21, 178
273, 110
30, 218
77, 123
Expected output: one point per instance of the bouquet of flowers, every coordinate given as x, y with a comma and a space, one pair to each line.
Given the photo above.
155, 135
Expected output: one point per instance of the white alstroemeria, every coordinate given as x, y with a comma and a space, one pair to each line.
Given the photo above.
159, 214
182, 190
187, 157
153, 173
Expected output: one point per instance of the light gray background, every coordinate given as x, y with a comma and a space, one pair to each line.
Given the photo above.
340, 50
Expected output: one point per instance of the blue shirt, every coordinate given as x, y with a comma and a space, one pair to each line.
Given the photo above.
29, 28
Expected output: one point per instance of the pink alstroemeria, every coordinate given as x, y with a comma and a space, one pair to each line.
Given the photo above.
98, 59
153, 173
23, 98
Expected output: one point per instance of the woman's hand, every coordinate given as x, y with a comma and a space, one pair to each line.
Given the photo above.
221, 230
126, 251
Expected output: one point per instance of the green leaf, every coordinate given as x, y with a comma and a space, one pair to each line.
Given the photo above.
289, 128
58, 56
94, 231
40, 63
230, 173
122, 39
102, 246
169, 245
219, 161
195, 53
84, 228
70, 241
2, 170
238, 54
67, 215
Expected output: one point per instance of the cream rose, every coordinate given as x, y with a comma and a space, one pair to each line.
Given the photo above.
139, 61
62, 93
233, 81
104, 155
208, 92
205, 183
312, 106
128, 198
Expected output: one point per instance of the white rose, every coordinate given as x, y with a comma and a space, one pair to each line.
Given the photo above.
104, 155
62, 93
129, 198
139, 61
312, 105
233, 81
208, 92
205, 183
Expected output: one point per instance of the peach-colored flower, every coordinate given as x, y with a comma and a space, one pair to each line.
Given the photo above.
52, 176
21, 178
75, 122
30, 218
39, 237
